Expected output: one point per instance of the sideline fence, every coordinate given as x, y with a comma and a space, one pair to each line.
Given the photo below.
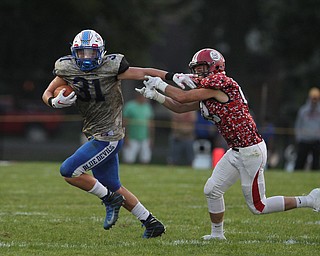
67, 139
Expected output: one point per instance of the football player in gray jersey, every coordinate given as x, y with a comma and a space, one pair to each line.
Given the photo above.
95, 78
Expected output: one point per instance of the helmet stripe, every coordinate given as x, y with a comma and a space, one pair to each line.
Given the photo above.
85, 40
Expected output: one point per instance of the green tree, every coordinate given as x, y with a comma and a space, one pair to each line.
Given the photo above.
36, 33
291, 36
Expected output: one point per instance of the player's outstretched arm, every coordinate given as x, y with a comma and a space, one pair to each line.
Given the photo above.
136, 73
180, 95
169, 103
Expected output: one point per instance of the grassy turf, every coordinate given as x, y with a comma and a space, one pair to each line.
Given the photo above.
40, 214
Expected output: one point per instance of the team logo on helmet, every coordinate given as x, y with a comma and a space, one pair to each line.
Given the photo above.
214, 55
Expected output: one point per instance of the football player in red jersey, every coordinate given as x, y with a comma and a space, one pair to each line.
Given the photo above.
222, 101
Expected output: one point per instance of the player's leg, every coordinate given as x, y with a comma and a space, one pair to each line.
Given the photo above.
251, 164
89, 156
223, 176
108, 174
153, 226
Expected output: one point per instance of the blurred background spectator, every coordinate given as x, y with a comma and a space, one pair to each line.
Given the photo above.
181, 138
205, 130
307, 132
138, 115
268, 132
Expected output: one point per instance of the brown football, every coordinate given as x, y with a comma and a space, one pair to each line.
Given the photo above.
66, 93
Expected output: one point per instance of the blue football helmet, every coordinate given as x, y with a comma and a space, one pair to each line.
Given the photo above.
88, 50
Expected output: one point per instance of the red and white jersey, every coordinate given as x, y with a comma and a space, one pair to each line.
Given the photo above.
233, 119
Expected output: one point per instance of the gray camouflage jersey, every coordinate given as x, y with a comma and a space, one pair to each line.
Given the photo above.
99, 96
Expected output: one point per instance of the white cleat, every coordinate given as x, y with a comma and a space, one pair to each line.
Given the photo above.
315, 195
216, 237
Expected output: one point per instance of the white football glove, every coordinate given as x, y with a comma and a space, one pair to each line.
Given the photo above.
141, 91
184, 79
62, 102
151, 94
155, 82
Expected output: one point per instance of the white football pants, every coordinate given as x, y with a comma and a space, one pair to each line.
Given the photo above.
248, 165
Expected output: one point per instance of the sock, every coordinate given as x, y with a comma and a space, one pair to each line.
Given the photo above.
274, 204
140, 212
217, 229
304, 201
99, 190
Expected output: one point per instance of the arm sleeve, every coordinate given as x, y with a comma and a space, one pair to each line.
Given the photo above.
124, 65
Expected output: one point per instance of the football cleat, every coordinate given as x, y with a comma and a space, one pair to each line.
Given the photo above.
112, 202
315, 195
216, 237
154, 227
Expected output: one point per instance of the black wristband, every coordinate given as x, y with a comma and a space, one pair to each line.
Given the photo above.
169, 76
50, 101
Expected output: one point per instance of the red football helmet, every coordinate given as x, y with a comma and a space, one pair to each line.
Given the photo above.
211, 58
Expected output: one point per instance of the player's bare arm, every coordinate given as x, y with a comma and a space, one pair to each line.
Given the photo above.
58, 99
55, 83
181, 101
183, 96
195, 95
178, 107
136, 73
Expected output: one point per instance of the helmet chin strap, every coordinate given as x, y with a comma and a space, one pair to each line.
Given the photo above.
87, 65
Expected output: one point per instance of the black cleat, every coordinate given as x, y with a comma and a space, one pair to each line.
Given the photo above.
154, 227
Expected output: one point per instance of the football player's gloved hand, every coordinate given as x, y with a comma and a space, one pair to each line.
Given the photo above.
155, 82
141, 91
184, 79
61, 101
151, 94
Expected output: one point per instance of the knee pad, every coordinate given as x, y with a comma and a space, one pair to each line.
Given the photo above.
65, 170
211, 190
214, 197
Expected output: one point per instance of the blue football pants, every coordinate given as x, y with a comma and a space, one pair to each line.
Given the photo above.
101, 157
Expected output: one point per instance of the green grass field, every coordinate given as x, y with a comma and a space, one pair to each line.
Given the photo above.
40, 214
